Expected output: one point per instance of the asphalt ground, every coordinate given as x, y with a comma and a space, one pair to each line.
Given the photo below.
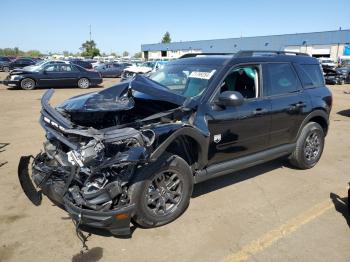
270, 212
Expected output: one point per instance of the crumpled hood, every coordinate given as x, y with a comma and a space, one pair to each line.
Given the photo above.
121, 97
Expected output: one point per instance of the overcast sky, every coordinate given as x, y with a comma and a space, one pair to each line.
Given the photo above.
55, 26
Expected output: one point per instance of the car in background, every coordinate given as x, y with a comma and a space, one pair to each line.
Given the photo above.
53, 75
4, 62
112, 69
82, 63
144, 68
345, 72
18, 63
327, 62
332, 76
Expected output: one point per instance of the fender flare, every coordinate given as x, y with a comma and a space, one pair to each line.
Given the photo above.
202, 140
316, 113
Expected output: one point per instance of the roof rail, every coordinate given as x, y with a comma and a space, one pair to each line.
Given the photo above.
203, 54
249, 53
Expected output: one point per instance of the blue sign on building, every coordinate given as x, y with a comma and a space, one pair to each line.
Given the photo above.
346, 50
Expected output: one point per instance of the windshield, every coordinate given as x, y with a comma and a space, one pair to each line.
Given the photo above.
185, 80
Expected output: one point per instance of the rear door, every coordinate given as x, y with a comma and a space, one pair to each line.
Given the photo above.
289, 102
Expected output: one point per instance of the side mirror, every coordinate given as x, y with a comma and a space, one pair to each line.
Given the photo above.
231, 98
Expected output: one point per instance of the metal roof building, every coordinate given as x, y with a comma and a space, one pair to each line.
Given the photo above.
327, 44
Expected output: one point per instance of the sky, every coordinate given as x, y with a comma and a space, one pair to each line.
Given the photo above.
117, 26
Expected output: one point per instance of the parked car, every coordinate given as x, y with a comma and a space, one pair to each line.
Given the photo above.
4, 63
345, 72
53, 75
135, 150
43, 63
144, 68
327, 62
18, 63
333, 76
82, 63
112, 69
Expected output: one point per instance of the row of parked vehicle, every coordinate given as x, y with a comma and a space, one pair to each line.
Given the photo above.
29, 73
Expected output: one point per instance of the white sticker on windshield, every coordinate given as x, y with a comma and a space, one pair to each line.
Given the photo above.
202, 75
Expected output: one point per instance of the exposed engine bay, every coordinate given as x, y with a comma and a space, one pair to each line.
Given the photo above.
95, 145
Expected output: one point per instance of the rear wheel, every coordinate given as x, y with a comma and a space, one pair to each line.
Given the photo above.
162, 191
6, 69
83, 83
28, 84
309, 147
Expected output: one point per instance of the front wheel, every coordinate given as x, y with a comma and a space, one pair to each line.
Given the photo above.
28, 84
309, 146
162, 191
83, 83
6, 69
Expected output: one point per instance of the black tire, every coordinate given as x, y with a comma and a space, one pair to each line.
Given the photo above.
6, 69
83, 83
27, 84
148, 214
309, 146
342, 82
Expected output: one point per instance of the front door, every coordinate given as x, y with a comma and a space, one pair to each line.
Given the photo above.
240, 130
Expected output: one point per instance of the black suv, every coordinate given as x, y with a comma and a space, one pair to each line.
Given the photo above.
133, 152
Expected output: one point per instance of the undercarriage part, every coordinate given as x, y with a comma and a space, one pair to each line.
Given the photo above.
26, 183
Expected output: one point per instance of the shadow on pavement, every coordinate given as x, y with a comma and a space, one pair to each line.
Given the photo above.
92, 255
341, 205
345, 112
236, 177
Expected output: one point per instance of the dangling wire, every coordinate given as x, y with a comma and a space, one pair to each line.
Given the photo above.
83, 238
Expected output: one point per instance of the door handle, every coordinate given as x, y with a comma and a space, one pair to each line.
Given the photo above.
259, 111
297, 106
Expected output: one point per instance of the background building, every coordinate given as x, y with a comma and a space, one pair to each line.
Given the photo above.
333, 44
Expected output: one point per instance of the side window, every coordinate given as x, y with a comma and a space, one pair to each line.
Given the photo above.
281, 79
312, 76
51, 68
243, 79
65, 68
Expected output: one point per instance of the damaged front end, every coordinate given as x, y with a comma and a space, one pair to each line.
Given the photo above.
88, 170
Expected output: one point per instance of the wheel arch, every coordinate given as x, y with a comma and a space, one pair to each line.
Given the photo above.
192, 145
320, 117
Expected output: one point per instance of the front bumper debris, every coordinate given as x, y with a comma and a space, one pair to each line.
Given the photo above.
116, 221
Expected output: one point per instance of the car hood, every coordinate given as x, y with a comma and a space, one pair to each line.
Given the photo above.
121, 97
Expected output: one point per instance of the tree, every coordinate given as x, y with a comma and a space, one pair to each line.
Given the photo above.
89, 49
166, 38
125, 53
138, 55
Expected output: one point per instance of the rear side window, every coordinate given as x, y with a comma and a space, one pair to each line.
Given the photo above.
281, 79
311, 76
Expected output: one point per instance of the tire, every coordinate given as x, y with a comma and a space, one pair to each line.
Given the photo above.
6, 69
162, 191
309, 147
27, 84
342, 82
83, 83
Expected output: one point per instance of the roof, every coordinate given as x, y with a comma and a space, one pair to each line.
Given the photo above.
271, 42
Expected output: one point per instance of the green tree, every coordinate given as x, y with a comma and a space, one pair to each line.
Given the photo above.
89, 49
166, 38
138, 55
125, 53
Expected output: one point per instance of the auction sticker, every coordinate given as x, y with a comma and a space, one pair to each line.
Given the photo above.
202, 75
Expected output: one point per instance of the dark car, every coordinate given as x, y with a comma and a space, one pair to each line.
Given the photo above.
345, 72
135, 150
53, 75
334, 76
19, 63
84, 64
112, 69
4, 63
